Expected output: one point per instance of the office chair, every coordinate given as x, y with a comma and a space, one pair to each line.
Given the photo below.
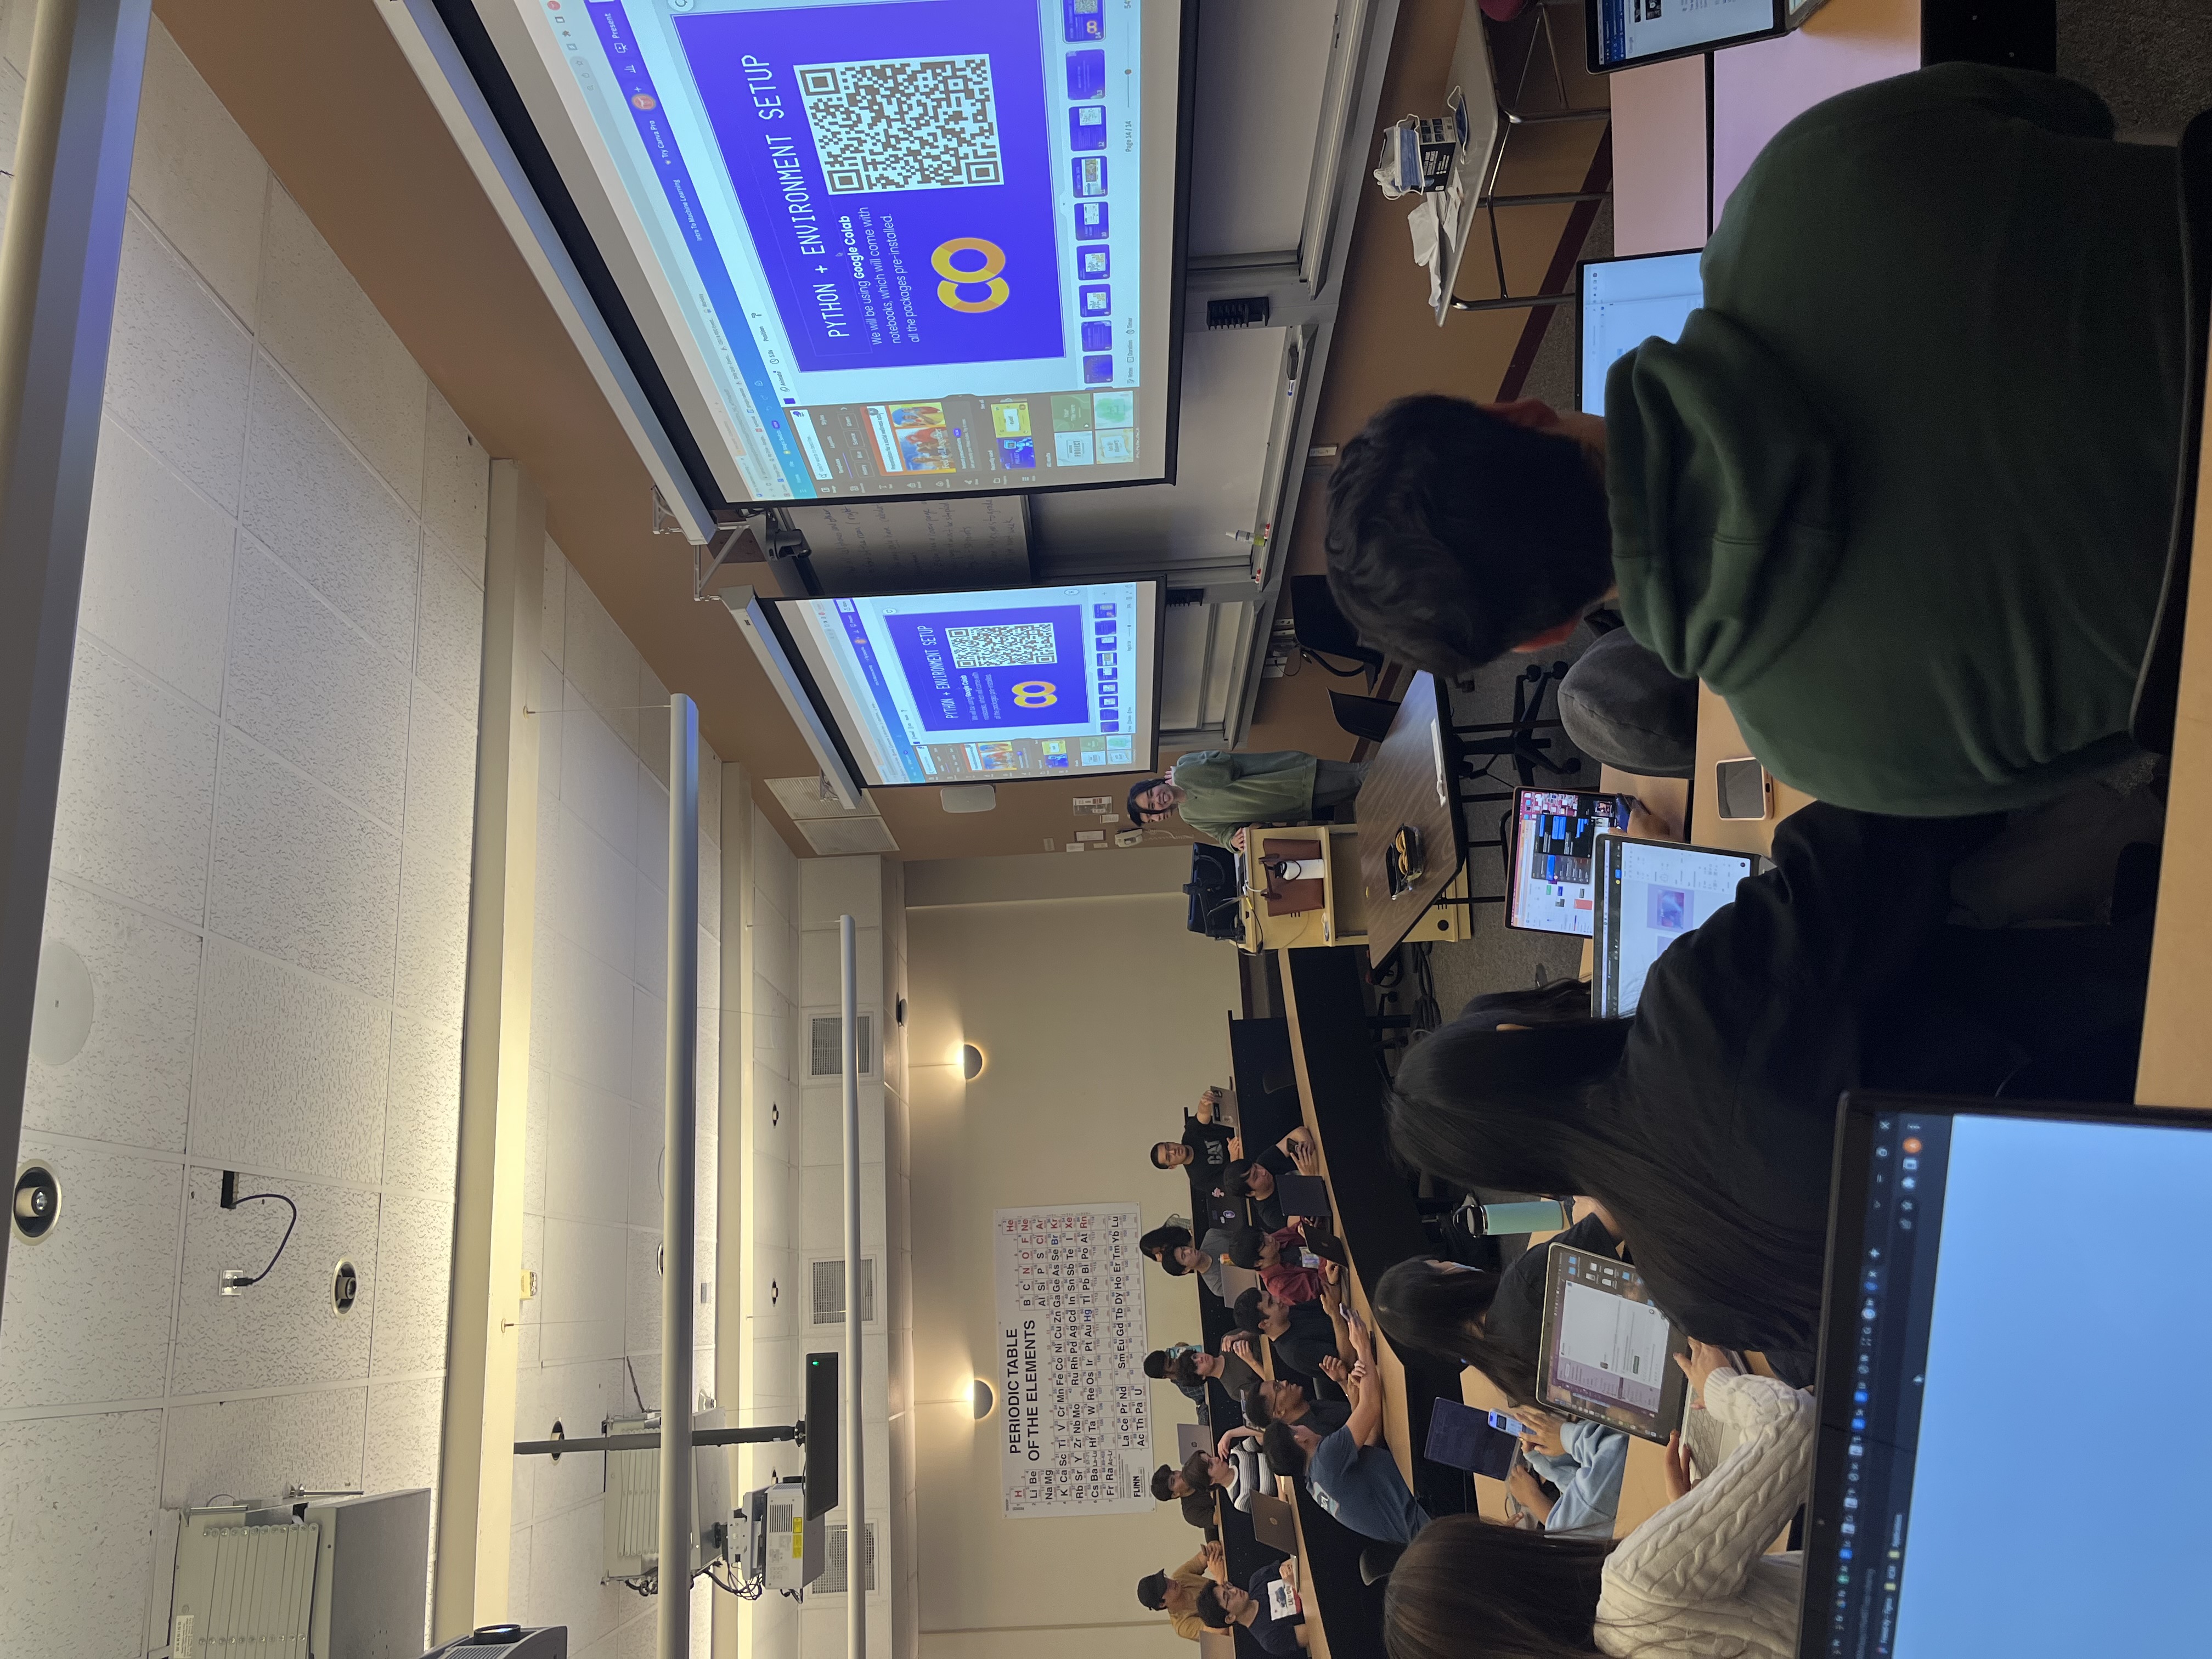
1515, 739
1320, 629
2158, 682
1363, 717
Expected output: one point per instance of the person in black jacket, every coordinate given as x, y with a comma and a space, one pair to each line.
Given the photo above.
1704, 1124
1304, 1337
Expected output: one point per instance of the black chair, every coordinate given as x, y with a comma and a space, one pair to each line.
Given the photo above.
1363, 717
1212, 889
2158, 683
1515, 739
1323, 631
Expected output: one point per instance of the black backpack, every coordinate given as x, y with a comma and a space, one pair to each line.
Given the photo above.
1212, 890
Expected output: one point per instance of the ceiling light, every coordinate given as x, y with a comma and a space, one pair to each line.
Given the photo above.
971, 1062
985, 1400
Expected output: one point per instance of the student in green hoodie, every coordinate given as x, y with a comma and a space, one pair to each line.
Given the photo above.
1900, 492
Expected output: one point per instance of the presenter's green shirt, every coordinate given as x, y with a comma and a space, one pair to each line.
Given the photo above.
1224, 792
1901, 491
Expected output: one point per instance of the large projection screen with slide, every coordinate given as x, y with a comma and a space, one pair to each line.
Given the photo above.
990, 686
868, 248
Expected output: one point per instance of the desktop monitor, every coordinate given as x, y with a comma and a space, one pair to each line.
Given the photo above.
993, 686
1623, 303
868, 248
1620, 35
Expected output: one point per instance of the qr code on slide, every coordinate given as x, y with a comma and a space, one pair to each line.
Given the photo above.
903, 123
1005, 645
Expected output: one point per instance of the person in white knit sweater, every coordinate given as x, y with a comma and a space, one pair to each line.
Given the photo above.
1694, 1579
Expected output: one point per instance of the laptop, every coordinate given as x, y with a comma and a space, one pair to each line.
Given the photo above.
1606, 1353
2000, 1272
1622, 303
1552, 886
1275, 1523
1650, 893
1620, 35
1192, 1438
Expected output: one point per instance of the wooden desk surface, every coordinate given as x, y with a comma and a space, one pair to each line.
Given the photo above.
1400, 789
2175, 1068
1718, 739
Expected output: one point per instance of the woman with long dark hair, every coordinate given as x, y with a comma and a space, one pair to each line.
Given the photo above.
1694, 1578
1704, 1124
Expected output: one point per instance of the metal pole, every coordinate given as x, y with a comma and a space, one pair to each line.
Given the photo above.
680, 1197
58, 256
856, 1448
649, 1440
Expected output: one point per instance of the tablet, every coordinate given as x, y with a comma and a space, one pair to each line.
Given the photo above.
1461, 1437
1606, 1353
1650, 893
1553, 885
1620, 35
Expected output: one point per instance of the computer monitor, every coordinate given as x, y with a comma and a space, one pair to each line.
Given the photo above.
1994, 1267
1623, 303
993, 686
1620, 35
1650, 894
859, 250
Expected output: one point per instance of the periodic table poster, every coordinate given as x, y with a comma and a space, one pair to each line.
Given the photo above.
1076, 1434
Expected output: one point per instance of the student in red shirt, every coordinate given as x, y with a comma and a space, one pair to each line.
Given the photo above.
1278, 1259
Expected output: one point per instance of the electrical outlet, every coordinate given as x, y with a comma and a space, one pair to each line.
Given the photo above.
529, 1285
232, 1281
230, 1189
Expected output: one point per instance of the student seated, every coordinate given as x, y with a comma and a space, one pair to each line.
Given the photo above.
1494, 1322
1705, 1123
1195, 1369
1175, 1593
1159, 1365
1695, 1578
1284, 1400
1304, 1336
1173, 1485
1274, 1257
1349, 1471
1900, 492
1171, 1248
1217, 794
1224, 1606
1254, 1178
1203, 1151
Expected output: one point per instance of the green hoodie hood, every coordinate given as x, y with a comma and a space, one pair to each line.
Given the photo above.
1727, 515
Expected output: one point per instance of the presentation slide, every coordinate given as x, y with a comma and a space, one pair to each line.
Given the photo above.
1630, 30
900, 246
997, 686
1626, 302
1555, 848
1666, 891
1611, 1349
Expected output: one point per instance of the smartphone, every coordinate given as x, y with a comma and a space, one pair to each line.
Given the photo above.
1308, 1258
1535, 1215
1509, 1425
1743, 788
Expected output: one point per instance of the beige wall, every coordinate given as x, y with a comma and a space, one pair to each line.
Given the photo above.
1097, 1017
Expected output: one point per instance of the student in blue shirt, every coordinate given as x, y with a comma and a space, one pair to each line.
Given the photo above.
1584, 1460
1351, 1472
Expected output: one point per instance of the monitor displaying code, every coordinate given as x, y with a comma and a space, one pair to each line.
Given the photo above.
1626, 302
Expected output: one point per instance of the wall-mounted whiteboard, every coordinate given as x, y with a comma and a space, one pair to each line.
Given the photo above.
1075, 1431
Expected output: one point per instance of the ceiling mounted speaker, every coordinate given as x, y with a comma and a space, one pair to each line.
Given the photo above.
968, 796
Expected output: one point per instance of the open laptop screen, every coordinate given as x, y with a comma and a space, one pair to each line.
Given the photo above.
2016, 1313
1650, 893
1626, 32
1623, 303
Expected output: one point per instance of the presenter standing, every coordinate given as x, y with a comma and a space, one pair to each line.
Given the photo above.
1217, 794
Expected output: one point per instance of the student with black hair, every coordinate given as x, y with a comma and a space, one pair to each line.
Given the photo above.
1254, 1178
1284, 1400
1175, 1592
1226, 1608
1908, 610
1349, 1471
1205, 1151
1171, 1248
1193, 1369
1304, 1337
1275, 1257
1704, 1124
1695, 1578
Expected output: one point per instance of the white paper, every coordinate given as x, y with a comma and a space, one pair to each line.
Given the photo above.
1437, 744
